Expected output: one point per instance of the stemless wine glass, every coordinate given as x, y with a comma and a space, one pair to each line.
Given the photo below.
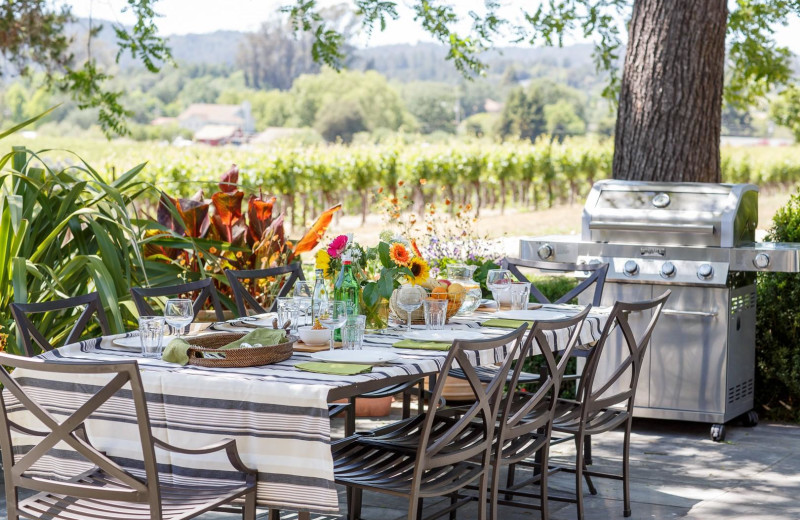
332, 316
303, 293
498, 281
409, 298
178, 313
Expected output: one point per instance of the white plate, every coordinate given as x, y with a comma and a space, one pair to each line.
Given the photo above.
366, 357
444, 336
134, 342
262, 320
530, 315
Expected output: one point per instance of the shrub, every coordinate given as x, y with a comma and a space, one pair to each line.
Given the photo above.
778, 327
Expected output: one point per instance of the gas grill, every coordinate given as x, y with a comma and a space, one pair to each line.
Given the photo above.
699, 241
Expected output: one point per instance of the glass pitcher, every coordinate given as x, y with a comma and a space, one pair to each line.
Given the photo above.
462, 274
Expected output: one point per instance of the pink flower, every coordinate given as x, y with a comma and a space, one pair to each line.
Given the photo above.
337, 246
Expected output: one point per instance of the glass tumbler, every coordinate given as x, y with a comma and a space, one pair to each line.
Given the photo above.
519, 294
435, 313
287, 311
353, 332
151, 334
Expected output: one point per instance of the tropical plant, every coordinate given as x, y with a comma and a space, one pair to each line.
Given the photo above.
65, 232
196, 237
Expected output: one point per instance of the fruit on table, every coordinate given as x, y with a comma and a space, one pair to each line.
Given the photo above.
439, 293
456, 291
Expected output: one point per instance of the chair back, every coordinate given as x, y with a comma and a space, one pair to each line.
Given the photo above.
453, 444
524, 413
618, 389
30, 334
243, 295
597, 277
206, 289
37, 418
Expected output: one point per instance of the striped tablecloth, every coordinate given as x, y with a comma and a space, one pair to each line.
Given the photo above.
277, 413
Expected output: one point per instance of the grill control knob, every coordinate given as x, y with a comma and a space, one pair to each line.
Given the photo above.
668, 270
545, 251
631, 268
761, 261
705, 271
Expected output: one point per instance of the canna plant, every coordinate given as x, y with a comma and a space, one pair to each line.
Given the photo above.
197, 237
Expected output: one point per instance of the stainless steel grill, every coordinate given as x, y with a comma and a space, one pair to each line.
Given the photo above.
699, 241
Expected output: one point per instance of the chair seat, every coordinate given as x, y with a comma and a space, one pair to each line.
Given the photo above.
568, 418
487, 373
184, 499
361, 463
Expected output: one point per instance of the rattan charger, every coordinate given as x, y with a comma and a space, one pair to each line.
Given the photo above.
210, 344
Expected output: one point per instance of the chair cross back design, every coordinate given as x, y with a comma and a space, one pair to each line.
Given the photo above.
206, 289
596, 410
526, 419
436, 453
242, 296
597, 277
108, 490
31, 334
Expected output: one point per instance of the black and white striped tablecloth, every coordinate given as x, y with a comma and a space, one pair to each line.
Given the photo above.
277, 413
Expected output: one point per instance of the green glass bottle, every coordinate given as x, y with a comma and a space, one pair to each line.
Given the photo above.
346, 290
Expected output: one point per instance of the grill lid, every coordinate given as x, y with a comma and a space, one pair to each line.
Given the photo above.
663, 213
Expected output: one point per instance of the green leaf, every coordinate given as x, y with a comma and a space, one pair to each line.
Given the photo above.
386, 282
371, 293
383, 254
30, 121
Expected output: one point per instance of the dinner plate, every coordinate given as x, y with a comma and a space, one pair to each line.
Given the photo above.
134, 342
365, 357
444, 336
530, 315
262, 320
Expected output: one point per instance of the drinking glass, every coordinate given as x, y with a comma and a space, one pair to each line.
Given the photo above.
519, 294
353, 332
498, 281
151, 334
332, 316
287, 309
303, 294
179, 313
409, 298
435, 313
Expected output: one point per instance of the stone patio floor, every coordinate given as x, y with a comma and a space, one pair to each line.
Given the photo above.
676, 472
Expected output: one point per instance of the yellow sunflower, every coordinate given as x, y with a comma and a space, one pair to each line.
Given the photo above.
399, 254
420, 269
323, 261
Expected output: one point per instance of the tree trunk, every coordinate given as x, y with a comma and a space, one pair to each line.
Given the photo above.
670, 102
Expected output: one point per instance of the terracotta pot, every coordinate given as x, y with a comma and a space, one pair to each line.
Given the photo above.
456, 390
378, 407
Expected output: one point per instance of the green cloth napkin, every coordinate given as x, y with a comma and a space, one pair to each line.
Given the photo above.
337, 369
177, 349
503, 324
424, 345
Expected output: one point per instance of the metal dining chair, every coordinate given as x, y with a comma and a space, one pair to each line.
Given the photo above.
603, 404
526, 418
30, 334
95, 484
244, 298
597, 277
205, 288
437, 453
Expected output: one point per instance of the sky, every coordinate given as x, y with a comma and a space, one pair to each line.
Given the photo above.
202, 16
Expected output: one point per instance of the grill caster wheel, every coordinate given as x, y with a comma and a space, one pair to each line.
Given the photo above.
750, 419
717, 432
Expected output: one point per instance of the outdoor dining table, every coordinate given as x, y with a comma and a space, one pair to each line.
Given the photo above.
277, 413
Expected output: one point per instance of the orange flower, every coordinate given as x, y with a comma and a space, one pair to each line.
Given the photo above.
400, 183
423, 181
213, 250
399, 254
415, 248
380, 190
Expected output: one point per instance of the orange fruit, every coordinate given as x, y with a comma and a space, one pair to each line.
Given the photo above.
439, 293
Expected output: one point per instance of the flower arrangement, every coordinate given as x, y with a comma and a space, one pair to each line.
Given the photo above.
329, 259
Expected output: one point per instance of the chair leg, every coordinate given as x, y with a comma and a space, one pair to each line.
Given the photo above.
587, 453
579, 475
274, 514
453, 501
350, 418
543, 501
495, 489
421, 398
354, 499
626, 488
512, 470
406, 403
483, 495
249, 509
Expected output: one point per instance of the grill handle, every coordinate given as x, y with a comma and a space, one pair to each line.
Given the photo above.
643, 226
698, 314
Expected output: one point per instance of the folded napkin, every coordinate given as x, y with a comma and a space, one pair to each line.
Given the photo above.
423, 345
337, 369
503, 324
177, 349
